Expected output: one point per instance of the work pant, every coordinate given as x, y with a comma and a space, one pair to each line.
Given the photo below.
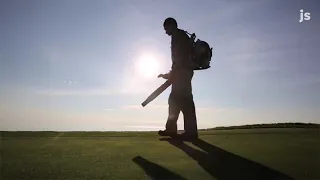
181, 99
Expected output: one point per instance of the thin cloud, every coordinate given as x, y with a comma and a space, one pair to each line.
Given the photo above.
145, 127
86, 92
131, 107
109, 109
164, 106
211, 109
78, 92
139, 107
70, 82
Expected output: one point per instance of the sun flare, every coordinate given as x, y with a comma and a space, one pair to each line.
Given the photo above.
147, 66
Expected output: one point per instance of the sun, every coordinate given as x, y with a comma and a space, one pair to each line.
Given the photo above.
147, 65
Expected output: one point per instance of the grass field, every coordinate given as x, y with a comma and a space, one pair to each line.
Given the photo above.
257, 154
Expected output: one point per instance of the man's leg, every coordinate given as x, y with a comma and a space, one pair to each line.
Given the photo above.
187, 105
173, 117
190, 119
174, 111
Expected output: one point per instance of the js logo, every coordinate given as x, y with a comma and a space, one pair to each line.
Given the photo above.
304, 16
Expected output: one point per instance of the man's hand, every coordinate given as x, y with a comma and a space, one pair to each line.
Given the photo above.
169, 76
165, 76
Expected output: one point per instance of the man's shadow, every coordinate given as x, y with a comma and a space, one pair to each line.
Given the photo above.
155, 171
224, 165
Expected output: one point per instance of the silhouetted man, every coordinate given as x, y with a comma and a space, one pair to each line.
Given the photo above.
181, 98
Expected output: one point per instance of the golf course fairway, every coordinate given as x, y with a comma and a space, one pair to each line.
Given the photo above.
269, 153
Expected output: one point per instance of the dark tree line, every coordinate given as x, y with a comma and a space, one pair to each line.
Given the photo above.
272, 125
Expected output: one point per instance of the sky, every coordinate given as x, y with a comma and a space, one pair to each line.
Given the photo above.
76, 65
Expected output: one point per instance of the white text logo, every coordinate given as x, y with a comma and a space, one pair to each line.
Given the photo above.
304, 16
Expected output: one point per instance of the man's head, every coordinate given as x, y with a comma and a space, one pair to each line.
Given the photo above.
170, 25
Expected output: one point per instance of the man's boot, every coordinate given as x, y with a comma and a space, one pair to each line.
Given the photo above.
171, 129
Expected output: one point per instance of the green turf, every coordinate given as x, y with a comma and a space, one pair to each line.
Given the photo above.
220, 154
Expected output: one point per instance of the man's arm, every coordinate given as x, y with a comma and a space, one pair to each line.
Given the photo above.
180, 54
